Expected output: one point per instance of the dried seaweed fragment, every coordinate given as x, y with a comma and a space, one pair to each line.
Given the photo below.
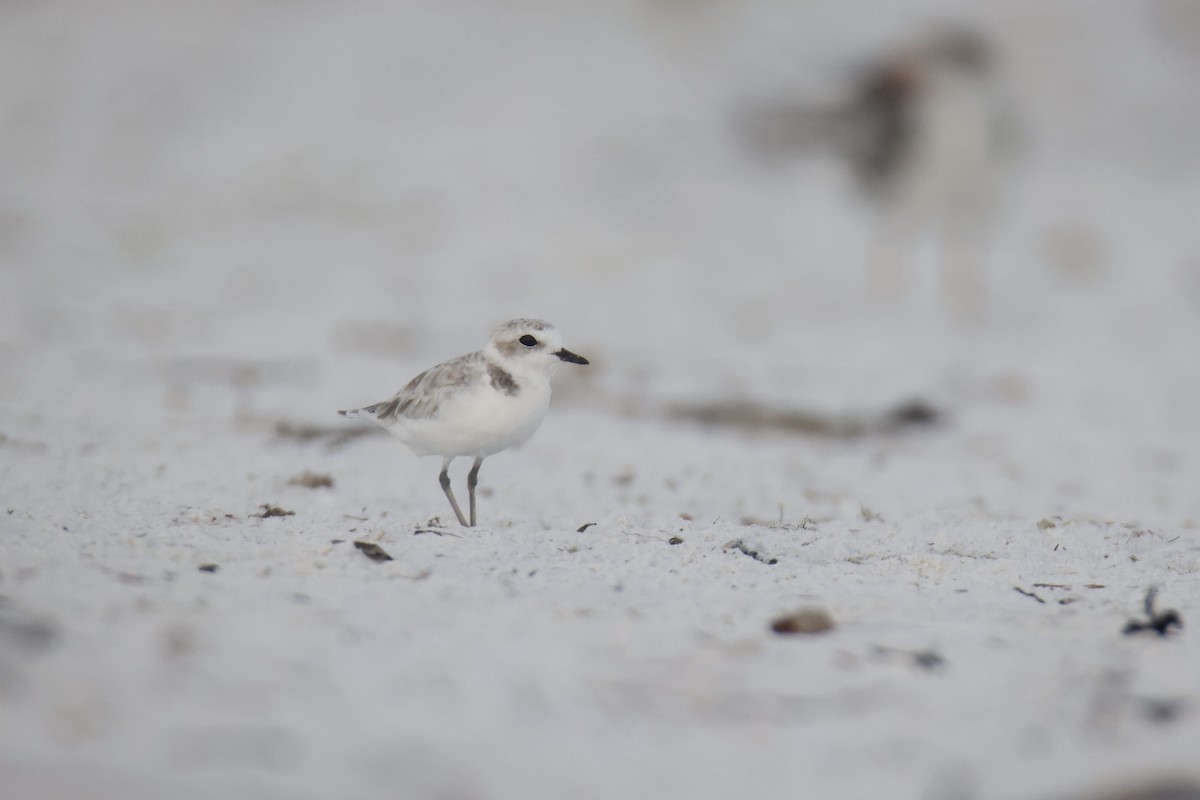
804, 620
1160, 622
372, 551
312, 480
269, 510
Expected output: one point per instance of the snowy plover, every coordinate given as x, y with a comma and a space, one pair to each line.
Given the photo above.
933, 127
477, 404
926, 130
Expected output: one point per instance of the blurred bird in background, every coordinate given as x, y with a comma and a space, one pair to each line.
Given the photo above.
924, 130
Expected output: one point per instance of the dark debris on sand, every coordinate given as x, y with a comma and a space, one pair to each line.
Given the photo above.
372, 551
312, 480
804, 620
1160, 622
761, 418
269, 510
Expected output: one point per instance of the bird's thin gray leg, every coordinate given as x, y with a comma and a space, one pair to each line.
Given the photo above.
472, 479
444, 478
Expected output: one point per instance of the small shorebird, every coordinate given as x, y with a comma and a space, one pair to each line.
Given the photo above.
477, 404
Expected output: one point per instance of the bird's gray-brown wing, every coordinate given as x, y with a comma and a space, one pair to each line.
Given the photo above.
425, 394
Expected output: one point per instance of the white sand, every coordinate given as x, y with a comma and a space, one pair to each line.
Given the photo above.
214, 220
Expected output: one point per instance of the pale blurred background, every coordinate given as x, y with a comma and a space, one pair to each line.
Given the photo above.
219, 216
325, 197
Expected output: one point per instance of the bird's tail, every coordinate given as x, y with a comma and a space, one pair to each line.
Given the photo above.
360, 413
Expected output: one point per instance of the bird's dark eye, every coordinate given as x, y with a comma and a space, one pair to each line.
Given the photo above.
528, 341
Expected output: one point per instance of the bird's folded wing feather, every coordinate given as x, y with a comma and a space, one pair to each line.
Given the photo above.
425, 394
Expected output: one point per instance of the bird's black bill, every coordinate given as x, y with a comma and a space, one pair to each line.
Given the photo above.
567, 355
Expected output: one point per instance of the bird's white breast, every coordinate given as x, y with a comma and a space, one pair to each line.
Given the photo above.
479, 421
